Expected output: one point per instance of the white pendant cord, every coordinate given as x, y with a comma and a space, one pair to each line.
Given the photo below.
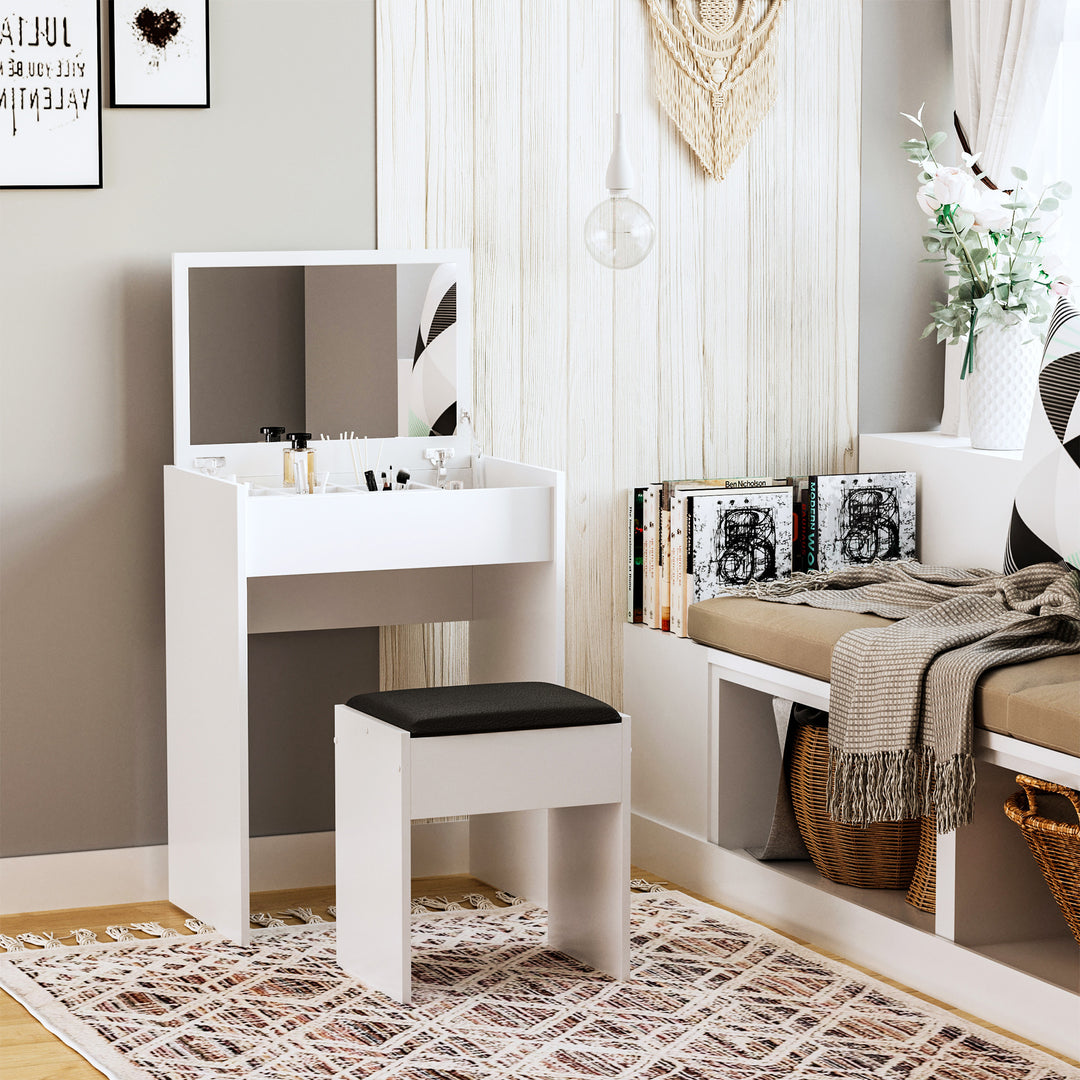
620, 173
618, 57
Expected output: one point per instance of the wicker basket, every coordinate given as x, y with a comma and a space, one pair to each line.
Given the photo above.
1055, 844
878, 856
922, 892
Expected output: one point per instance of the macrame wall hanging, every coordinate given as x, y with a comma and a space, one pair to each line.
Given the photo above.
715, 71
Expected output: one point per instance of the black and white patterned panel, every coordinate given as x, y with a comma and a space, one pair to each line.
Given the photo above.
433, 384
1045, 525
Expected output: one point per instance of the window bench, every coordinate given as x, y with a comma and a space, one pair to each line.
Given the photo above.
706, 766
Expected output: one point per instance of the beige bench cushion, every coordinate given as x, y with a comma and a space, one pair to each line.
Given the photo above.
1038, 702
788, 636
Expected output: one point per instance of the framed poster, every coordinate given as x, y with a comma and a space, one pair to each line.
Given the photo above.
50, 94
160, 54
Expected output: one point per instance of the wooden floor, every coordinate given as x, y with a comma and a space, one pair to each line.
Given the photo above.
29, 1052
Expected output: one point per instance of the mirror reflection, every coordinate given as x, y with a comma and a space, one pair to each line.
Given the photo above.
370, 349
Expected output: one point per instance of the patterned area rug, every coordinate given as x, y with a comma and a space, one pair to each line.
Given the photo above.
711, 996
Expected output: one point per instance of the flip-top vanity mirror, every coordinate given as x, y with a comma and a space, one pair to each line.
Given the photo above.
368, 344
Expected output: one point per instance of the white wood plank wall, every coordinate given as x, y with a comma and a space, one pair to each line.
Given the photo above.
731, 350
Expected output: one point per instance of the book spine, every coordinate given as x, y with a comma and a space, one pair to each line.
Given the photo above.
678, 561
753, 482
665, 556
801, 526
689, 595
638, 567
813, 531
650, 609
630, 555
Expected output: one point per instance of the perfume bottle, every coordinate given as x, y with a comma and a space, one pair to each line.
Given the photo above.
476, 453
272, 434
302, 457
298, 440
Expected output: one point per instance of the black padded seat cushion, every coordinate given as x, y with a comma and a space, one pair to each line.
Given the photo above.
482, 707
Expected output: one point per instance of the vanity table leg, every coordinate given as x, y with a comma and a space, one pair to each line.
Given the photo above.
206, 700
518, 633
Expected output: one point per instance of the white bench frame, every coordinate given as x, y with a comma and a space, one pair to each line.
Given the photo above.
706, 769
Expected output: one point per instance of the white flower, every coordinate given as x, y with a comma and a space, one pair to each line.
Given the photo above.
990, 214
954, 186
927, 203
1054, 267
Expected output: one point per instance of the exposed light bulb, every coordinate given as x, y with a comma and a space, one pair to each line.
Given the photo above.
619, 232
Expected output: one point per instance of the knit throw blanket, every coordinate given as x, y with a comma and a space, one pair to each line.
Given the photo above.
901, 699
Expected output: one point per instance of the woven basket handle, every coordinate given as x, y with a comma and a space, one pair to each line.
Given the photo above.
1032, 785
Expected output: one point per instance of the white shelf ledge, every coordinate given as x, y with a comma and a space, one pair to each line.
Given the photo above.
964, 496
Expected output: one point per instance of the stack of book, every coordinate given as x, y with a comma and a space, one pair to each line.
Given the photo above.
691, 540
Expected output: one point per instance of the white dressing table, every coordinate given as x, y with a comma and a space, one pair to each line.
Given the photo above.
239, 561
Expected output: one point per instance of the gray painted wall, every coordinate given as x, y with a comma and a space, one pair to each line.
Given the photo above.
284, 158
907, 59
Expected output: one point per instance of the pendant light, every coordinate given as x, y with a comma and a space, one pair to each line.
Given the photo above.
619, 232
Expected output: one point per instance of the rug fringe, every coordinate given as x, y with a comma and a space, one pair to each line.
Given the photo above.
264, 918
643, 885
154, 929
422, 905
304, 914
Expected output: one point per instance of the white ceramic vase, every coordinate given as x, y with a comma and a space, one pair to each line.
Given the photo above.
1001, 388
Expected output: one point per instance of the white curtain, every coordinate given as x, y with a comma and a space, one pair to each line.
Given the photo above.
1004, 52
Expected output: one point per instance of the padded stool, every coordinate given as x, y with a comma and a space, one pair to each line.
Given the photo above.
482, 750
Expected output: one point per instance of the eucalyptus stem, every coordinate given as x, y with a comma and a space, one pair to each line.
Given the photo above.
1023, 234
952, 224
967, 254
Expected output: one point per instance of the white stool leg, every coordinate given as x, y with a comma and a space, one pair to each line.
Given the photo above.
589, 885
589, 878
373, 851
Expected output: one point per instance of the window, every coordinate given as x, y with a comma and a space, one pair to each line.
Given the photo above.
1057, 147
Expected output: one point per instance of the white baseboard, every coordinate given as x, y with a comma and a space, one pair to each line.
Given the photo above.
79, 879
818, 913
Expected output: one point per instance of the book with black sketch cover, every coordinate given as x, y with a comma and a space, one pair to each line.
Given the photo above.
856, 518
680, 493
735, 538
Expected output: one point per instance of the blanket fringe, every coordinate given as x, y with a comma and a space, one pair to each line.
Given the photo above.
898, 785
954, 792
889, 785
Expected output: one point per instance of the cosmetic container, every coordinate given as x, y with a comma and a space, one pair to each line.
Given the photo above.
272, 434
211, 466
303, 463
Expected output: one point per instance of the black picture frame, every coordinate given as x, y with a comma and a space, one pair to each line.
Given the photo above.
50, 94
160, 54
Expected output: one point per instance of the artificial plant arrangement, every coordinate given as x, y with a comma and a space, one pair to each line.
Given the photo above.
991, 242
